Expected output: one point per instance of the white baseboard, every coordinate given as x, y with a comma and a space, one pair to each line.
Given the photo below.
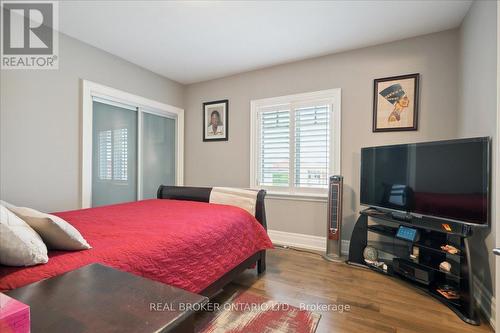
303, 241
485, 300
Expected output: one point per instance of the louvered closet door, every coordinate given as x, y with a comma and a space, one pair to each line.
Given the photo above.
114, 160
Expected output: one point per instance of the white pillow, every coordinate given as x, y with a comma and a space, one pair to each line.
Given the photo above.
19, 244
245, 199
7, 205
55, 232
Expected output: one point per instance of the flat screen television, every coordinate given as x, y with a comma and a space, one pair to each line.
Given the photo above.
443, 179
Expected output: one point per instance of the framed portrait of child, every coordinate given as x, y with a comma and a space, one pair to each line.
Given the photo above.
395, 103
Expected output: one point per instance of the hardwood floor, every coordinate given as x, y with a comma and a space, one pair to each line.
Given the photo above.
378, 303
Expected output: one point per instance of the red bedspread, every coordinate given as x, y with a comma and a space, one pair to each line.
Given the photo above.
181, 243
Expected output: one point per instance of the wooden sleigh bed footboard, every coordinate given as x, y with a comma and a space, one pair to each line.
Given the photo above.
202, 194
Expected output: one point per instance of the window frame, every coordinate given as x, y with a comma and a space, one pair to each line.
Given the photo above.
333, 98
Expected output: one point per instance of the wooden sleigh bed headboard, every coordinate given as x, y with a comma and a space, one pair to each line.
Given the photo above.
202, 194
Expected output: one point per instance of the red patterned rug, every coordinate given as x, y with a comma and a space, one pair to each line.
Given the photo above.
250, 313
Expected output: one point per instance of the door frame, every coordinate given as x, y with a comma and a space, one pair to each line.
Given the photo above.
496, 185
91, 89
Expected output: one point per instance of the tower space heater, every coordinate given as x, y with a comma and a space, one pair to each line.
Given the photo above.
334, 220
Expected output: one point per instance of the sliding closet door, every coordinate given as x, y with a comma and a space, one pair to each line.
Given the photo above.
158, 153
114, 160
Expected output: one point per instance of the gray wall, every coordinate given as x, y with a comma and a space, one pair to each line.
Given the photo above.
227, 163
40, 122
477, 111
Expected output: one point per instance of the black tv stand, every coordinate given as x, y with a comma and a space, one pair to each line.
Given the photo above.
378, 229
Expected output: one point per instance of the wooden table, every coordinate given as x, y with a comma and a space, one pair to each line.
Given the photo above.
97, 298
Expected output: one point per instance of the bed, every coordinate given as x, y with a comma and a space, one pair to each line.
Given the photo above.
179, 239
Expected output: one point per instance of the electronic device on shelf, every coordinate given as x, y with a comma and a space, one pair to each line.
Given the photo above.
409, 234
412, 271
401, 216
415, 182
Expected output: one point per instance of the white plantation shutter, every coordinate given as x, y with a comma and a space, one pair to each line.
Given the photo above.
113, 154
120, 154
312, 146
274, 147
296, 143
105, 159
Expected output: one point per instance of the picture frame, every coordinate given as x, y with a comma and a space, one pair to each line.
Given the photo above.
395, 103
216, 121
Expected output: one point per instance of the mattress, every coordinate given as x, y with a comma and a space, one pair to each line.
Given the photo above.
185, 244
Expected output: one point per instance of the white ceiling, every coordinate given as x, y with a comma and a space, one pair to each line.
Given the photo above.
201, 40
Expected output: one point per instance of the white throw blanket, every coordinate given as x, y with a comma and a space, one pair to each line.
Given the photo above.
245, 199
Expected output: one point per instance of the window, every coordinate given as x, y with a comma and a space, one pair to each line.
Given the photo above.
274, 147
312, 146
120, 154
295, 142
113, 154
105, 153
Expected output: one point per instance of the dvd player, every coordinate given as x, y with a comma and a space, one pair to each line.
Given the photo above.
412, 271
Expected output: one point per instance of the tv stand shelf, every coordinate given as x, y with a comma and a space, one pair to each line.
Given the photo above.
418, 262
429, 245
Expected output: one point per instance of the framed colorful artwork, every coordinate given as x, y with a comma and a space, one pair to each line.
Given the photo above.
395, 103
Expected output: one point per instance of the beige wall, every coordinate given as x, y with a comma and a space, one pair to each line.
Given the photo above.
227, 163
40, 117
477, 112
40, 122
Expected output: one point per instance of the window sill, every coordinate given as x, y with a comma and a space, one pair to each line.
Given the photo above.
297, 196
